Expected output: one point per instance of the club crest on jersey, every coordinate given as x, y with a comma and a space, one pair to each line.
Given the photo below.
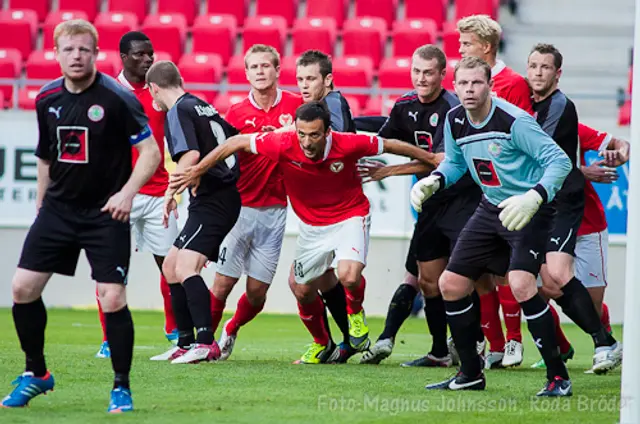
494, 149
96, 113
285, 119
433, 120
336, 167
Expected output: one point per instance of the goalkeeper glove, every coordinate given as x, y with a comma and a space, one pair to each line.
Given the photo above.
424, 189
517, 211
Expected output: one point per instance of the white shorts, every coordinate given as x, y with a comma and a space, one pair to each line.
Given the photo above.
253, 245
321, 248
591, 259
148, 233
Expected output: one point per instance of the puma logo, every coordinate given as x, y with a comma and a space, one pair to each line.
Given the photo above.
414, 115
251, 122
183, 238
459, 121
556, 240
299, 164
534, 254
55, 111
538, 343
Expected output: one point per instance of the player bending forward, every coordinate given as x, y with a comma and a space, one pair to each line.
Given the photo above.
319, 168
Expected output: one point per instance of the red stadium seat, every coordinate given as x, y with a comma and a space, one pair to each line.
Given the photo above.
41, 7
53, 19
167, 32
624, 114
270, 30
285, 8
476, 7
10, 67
237, 8
221, 28
314, 33
408, 35
288, 71
427, 9
197, 68
354, 105
354, 72
236, 71
90, 7
447, 82
224, 101
27, 97
22, 25
188, 8
137, 7
451, 44
364, 37
109, 62
630, 77
395, 73
112, 26
336, 9
42, 65
379, 105
160, 55
206, 96
385, 9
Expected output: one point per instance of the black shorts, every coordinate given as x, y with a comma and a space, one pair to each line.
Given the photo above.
564, 232
437, 228
211, 217
485, 245
60, 231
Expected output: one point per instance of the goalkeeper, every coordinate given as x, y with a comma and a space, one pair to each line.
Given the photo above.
520, 169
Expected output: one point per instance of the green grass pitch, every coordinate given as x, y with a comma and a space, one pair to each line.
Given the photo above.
260, 385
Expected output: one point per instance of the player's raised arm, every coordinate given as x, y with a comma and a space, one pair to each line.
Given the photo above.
401, 148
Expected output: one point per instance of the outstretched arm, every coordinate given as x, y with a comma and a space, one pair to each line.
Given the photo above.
401, 148
376, 171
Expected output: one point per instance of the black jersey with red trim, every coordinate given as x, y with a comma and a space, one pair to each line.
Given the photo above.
87, 137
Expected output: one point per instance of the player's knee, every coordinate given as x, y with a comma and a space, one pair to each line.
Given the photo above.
451, 286
304, 293
169, 270
550, 292
560, 275
349, 277
429, 285
184, 271
23, 292
112, 297
523, 285
256, 292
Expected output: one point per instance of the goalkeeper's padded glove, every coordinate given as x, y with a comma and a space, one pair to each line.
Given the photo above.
424, 189
517, 211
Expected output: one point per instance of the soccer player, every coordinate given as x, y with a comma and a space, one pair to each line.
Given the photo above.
149, 233
253, 245
314, 75
557, 116
319, 168
520, 169
88, 123
418, 118
480, 37
193, 128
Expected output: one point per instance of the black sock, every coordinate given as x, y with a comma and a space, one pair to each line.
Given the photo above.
325, 318
542, 327
335, 300
399, 310
475, 297
119, 326
199, 301
578, 305
464, 325
437, 321
182, 315
30, 320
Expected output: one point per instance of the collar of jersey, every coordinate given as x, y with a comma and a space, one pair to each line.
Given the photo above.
498, 67
124, 81
278, 98
327, 147
486, 120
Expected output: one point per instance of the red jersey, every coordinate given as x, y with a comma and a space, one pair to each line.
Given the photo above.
327, 191
511, 86
261, 184
594, 219
157, 184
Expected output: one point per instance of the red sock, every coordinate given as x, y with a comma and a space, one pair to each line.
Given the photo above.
490, 321
312, 316
604, 318
169, 318
217, 308
563, 343
511, 313
355, 297
245, 312
103, 323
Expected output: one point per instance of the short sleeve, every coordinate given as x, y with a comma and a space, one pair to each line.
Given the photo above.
43, 149
269, 144
366, 145
591, 139
520, 95
183, 132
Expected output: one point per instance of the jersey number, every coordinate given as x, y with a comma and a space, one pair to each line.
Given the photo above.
297, 269
221, 138
222, 257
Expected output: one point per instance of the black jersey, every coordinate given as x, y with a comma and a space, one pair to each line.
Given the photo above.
422, 124
87, 139
341, 117
558, 117
193, 124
